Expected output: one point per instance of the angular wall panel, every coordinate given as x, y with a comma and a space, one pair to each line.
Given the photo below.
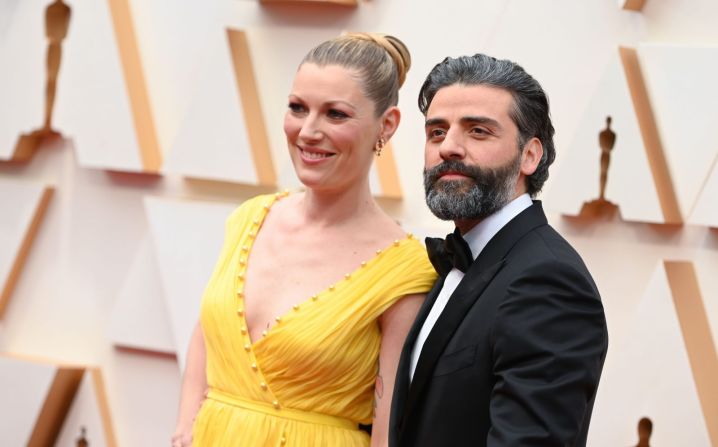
187, 237
37, 396
637, 381
90, 411
705, 211
103, 103
139, 317
697, 337
223, 136
335, 2
23, 50
23, 206
632, 5
635, 158
680, 81
21, 404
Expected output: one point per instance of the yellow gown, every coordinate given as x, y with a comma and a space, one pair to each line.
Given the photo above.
310, 381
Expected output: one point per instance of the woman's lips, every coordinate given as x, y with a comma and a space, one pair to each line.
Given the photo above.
314, 155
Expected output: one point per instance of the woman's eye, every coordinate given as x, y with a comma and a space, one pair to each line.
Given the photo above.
296, 107
336, 114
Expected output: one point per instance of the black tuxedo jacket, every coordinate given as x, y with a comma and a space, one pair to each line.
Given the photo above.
515, 357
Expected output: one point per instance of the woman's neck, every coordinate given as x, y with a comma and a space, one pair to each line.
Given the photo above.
331, 208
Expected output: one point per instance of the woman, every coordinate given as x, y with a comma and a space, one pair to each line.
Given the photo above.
303, 320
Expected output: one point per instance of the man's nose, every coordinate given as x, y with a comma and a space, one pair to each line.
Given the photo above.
452, 147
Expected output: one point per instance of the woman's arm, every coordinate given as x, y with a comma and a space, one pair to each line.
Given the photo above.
194, 388
395, 324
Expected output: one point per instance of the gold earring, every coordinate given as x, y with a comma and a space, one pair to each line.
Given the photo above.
379, 146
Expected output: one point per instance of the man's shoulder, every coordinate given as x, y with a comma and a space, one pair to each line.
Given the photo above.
545, 244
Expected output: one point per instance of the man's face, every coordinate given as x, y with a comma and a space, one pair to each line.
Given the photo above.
473, 166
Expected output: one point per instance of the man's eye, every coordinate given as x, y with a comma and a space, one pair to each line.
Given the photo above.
336, 114
436, 133
296, 107
479, 131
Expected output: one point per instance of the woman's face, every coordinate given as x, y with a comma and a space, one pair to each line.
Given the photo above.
331, 128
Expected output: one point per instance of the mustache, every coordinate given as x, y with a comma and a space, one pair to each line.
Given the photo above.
433, 174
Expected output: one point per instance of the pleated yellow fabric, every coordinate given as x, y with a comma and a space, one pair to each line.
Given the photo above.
310, 381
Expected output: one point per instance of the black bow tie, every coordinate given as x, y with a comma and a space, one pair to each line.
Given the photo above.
448, 253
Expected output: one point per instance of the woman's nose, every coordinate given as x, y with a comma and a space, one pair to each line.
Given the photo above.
311, 129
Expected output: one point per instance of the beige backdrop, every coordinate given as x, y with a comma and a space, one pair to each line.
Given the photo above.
112, 275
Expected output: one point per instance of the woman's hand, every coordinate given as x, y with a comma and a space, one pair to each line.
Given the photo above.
182, 439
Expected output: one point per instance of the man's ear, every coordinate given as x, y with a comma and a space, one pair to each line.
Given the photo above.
531, 156
389, 122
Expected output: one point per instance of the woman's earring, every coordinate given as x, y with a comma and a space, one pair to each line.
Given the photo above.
379, 146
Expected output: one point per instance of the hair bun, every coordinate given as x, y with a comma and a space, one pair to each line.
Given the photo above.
397, 50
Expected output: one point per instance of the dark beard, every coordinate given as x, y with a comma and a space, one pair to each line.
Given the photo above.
480, 195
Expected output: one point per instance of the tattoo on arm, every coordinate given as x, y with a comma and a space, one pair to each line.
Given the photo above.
378, 389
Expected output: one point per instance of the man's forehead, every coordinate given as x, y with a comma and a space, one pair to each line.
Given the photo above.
458, 100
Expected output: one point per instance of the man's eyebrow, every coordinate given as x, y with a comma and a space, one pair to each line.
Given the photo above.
434, 122
481, 120
465, 120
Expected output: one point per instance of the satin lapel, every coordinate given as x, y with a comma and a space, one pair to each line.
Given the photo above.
465, 295
402, 381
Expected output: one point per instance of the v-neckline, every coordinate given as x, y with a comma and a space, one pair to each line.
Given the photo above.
241, 280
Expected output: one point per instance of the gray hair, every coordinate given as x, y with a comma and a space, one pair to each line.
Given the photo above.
530, 111
380, 61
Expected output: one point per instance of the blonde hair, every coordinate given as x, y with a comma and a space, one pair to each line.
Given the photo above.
381, 62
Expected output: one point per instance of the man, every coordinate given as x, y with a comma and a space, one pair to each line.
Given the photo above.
508, 347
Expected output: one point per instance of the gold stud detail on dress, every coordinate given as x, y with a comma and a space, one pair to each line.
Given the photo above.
247, 347
278, 319
242, 261
396, 243
254, 366
240, 275
245, 249
255, 221
363, 263
276, 404
263, 386
240, 294
331, 287
264, 333
266, 206
252, 234
409, 235
315, 297
347, 276
283, 440
295, 307
243, 330
277, 195
378, 251
240, 311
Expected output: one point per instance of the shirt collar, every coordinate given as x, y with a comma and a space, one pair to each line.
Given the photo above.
481, 234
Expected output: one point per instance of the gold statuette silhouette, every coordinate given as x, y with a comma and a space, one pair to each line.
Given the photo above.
606, 139
645, 427
82, 441
601, 207
57, 22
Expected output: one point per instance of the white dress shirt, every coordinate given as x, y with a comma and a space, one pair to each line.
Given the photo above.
477, 238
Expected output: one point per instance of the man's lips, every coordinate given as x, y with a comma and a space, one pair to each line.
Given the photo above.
452, 175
